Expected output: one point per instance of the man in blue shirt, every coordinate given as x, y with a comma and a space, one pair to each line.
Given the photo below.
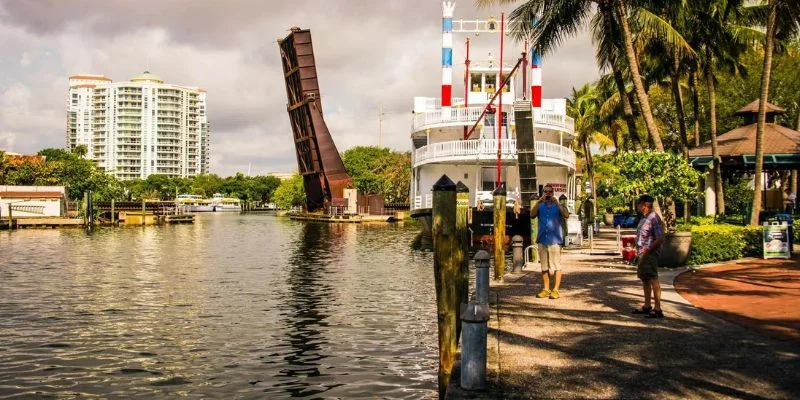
549, 239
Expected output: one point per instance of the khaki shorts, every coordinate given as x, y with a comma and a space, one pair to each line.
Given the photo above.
550, 257
647, 267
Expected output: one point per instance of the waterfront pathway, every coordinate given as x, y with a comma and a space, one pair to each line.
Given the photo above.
588, 344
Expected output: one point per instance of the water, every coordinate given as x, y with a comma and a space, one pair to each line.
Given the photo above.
233, 306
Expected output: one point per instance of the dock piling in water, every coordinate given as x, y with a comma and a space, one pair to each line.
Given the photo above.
499, 232
446, 267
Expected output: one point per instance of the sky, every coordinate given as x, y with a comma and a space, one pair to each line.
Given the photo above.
369, 53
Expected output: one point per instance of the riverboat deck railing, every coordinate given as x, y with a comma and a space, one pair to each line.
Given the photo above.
486, 149
432, 118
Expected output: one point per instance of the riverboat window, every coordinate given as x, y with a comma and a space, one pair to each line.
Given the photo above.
508, 83
491, 83
475, 80
488, 176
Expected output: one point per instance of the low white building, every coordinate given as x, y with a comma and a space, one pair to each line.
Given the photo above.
32, 201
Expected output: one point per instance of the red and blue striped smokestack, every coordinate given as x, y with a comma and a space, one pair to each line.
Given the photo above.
536, 79
447, 57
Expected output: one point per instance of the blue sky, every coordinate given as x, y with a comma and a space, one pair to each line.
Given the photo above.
368, 53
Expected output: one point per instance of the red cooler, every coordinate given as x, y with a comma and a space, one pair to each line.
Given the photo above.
628, 247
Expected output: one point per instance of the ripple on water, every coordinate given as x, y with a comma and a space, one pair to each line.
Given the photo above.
233, 306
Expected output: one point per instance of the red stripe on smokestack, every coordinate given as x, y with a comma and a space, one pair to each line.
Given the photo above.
447, 91
536, 96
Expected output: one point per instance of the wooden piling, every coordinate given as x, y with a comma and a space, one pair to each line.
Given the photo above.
113, 214
10, 218
462, 238
499, 232
85, 209
143, 210
446, 270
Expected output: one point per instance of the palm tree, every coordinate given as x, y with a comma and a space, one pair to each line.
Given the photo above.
547, 22
81, 150
786, 27
584, 107
718, 41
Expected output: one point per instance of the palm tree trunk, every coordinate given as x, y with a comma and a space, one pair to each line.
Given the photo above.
695, 107
712, 105
626, 107
762, 111
678, 97
644, 102
590, 169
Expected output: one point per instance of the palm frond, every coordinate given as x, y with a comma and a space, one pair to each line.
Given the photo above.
651, 26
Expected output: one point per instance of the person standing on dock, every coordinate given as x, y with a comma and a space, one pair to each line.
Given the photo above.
649, 237
549, 239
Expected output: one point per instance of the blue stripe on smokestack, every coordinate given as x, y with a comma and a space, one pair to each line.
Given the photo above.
447, 57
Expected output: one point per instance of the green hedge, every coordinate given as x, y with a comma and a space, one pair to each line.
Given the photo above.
722, 242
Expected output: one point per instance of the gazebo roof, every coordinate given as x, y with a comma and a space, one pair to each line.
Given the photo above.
752, 108
742, 141
780, 144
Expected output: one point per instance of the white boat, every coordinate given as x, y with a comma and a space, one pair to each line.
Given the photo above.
193, 203
445, 143
220, 203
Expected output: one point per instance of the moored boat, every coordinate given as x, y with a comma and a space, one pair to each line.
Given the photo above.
501, 133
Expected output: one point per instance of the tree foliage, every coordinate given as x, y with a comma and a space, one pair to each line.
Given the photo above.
290, 193
659, 174
377, 170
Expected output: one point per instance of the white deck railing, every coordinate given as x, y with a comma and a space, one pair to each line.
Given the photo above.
486, 149
468, 115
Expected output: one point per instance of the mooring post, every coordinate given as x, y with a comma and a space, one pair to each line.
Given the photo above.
85, 210
113, 214
462, 242
89, 210
474, 319
446, 268
499, 232
143, 209
10, 218
534, 229
517, 258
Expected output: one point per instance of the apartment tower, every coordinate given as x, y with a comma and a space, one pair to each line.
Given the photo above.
139, 128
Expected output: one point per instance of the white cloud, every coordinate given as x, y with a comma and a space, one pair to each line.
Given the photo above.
368, 53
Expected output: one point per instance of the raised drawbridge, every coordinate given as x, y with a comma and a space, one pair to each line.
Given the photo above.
318, 160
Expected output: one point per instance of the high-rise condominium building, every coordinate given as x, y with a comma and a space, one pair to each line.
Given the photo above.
139, 128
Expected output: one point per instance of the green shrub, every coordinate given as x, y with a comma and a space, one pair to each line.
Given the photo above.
722, 242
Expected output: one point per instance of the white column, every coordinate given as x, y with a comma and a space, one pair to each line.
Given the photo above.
711, 195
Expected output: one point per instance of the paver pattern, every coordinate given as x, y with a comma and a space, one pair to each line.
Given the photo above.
588, 344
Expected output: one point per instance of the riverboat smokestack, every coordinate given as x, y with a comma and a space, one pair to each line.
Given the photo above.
447, 57
536, 79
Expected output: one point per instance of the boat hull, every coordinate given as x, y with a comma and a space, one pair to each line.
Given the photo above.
482, 224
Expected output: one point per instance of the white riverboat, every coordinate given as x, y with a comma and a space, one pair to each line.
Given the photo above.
193, 203
445, 143
220, 203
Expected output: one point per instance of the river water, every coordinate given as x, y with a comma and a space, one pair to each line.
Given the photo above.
233, 306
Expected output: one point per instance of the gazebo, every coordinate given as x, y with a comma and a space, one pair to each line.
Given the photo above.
737, 149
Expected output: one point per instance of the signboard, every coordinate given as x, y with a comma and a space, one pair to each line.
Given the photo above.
776, 240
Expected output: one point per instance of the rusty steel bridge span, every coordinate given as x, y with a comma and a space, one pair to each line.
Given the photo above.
318, 160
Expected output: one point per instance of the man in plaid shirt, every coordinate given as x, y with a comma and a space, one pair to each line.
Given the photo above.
649, 237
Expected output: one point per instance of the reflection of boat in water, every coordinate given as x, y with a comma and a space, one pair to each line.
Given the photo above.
193, 203
221, 203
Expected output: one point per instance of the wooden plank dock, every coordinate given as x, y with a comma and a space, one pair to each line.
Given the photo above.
51, 222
